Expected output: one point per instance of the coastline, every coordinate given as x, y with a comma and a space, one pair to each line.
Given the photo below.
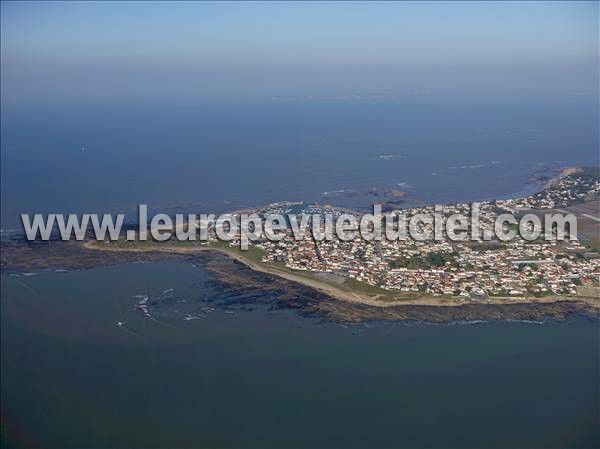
355, 297
347, 297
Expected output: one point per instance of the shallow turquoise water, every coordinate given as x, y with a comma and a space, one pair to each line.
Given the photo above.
71, 377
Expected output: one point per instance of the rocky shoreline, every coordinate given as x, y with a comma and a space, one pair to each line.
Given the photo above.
241, 280
237, 279
241, 275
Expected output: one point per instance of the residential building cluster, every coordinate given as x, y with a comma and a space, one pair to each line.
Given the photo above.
470, 269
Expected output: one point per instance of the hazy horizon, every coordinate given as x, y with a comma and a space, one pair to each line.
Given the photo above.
94, 52
275, 86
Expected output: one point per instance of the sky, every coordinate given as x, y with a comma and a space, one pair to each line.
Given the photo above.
64, 52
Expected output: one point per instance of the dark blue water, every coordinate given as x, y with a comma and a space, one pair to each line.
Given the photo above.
218, 155
71, 377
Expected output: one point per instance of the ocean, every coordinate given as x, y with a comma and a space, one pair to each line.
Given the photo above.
214, 156
72, 376
256, 377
